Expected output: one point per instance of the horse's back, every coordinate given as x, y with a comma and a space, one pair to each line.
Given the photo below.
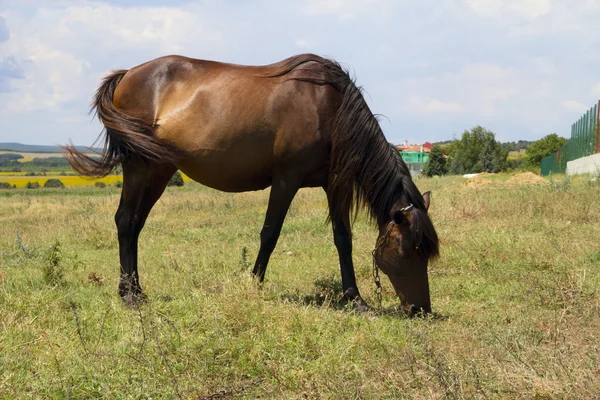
238, 127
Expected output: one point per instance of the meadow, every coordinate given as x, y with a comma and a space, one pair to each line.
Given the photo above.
515, 295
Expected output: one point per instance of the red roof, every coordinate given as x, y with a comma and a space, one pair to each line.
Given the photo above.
426, 148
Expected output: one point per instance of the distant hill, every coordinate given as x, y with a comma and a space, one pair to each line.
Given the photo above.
32, 148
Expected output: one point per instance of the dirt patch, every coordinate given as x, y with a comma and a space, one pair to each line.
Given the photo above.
527, 178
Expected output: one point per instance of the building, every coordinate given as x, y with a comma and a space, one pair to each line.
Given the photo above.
415, 156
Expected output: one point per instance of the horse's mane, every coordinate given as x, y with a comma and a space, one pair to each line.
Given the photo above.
363, 169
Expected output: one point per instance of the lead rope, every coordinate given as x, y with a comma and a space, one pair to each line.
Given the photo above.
377, 282
382, 239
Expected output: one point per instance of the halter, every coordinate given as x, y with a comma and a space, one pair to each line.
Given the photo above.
380, 241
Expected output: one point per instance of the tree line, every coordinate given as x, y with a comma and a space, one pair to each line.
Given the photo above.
478, 151
11, 163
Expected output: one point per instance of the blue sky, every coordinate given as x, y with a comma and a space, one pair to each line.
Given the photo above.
433, 68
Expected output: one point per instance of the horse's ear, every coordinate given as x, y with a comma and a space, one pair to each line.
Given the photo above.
427, 198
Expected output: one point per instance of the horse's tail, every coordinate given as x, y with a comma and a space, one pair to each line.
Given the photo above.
124, 136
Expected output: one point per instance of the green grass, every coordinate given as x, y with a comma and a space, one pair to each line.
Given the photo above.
515, 296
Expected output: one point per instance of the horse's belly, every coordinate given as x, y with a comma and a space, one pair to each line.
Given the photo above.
227, 172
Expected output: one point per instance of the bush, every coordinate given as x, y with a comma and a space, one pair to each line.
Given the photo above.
5, 185
32, 185
543, 148
119, 184
176, 180
100, 185
54, 183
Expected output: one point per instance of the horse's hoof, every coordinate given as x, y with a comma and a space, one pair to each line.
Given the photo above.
361, 306
134, 299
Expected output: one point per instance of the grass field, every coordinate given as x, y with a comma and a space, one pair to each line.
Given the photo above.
515, 295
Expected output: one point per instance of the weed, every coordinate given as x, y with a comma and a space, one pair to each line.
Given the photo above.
95, 279
562, 185
244, 260
25, 250
53, 270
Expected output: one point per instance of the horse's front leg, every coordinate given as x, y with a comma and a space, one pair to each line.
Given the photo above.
342, 238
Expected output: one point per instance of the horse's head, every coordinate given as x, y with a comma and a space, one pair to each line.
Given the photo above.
407, 240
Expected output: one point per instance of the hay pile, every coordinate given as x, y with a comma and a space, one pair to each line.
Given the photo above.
527, 178
477, 181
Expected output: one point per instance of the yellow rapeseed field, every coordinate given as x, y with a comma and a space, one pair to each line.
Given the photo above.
21, 181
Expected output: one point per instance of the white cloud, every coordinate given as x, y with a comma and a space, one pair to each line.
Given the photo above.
595, 90
485, 7
343, 10
443, 64
528, 9
432, 106
476, 88
54, 46
437, 106
302, 43
573, 105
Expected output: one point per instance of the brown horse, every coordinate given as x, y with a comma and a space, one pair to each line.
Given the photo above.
301, 122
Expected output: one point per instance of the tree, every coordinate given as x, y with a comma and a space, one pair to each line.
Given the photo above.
176, 180
54, 183
477, 151
543, 148
436, 163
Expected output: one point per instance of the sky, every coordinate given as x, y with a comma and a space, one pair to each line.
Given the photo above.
432, 68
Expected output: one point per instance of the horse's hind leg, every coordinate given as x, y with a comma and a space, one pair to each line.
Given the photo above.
281, 196
143, 184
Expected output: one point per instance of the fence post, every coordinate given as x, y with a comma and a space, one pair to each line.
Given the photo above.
596, 150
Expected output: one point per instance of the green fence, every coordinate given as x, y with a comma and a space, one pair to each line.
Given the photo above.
583, 142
